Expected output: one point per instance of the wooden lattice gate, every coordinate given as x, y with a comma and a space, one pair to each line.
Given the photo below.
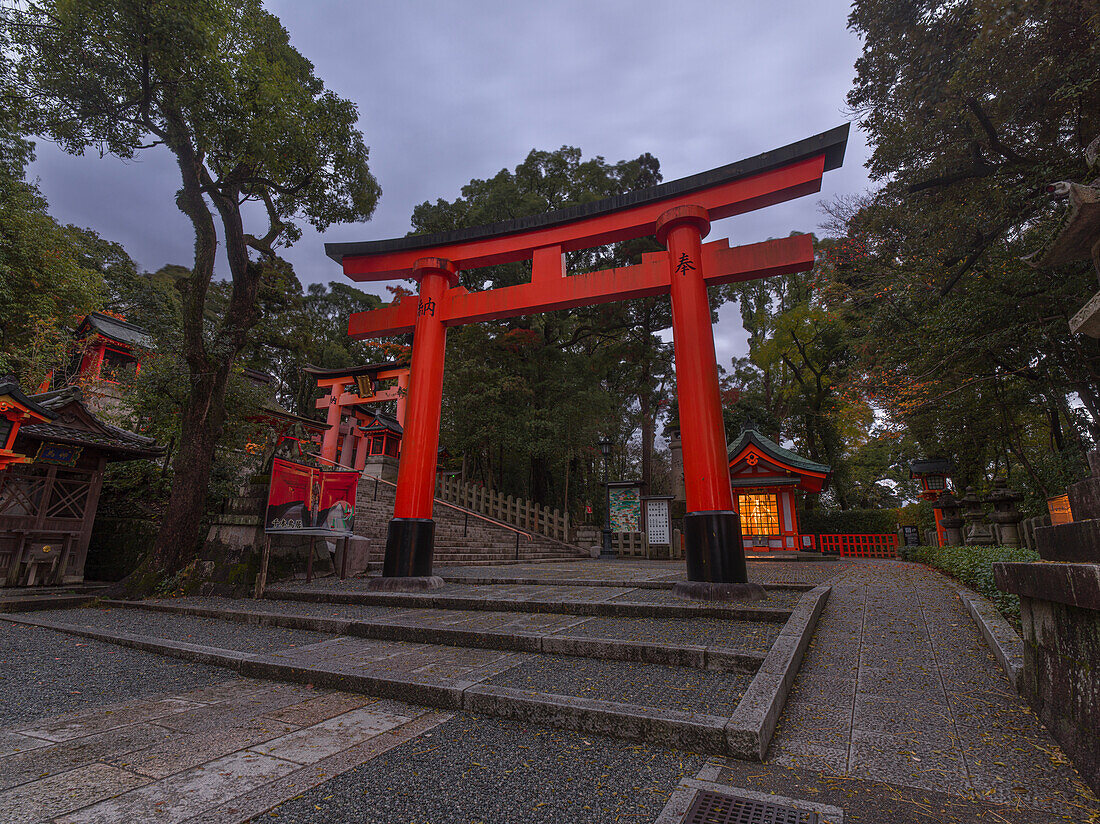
46, 515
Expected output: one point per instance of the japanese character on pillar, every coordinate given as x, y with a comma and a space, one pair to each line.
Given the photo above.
679, 213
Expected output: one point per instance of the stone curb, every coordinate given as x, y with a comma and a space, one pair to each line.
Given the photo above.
32, 603
696, 732
999, 635
749, 730
474, 580
719, 659
615, 609
690, 731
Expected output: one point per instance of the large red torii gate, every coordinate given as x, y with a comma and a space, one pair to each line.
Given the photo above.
679, 213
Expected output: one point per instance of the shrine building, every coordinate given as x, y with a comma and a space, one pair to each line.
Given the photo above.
765, 478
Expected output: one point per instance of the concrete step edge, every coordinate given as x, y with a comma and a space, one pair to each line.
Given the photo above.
625, 609
712, 657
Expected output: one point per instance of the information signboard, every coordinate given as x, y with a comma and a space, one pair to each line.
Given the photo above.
626, 507
657, 524
1060, 513
307, 500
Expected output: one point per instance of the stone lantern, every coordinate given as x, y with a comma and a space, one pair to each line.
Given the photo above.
1005, 516
978, 532
951, 521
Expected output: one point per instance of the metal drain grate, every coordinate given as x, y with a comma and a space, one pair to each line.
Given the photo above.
714, 808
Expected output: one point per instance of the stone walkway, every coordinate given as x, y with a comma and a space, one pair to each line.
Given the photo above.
899, 714
898, 687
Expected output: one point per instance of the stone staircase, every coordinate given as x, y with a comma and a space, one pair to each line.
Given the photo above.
462, 537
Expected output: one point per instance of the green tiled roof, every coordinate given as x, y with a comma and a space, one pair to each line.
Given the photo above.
770, 447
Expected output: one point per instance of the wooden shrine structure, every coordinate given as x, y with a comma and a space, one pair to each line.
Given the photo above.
766, 479
679, 213
48, 504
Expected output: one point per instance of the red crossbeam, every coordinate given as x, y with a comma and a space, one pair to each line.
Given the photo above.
546, 292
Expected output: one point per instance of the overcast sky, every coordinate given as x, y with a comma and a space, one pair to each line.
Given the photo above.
449, 91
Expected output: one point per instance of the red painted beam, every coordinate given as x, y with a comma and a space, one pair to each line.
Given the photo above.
724, 200
721, 264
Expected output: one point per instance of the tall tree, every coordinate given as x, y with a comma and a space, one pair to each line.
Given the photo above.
251, 129
971, 108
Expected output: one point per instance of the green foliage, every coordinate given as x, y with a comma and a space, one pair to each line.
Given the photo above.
849, 522
971, 108
49, 275
973, 565
253, 132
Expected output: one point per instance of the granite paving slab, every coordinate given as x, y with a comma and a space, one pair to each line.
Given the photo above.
184, 795
152, 771
58, 794
307, 746
52, 758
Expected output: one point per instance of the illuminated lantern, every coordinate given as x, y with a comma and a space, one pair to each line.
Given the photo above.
933, 474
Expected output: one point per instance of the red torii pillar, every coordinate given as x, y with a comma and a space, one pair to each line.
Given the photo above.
679, 213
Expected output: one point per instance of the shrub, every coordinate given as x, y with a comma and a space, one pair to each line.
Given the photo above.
973, 565
849, 522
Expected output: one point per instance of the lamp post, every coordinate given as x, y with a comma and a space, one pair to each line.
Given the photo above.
605, 551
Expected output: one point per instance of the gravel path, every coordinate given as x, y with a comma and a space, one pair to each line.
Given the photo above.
746, 635
476, 769
45, 673
211, 632
650, 685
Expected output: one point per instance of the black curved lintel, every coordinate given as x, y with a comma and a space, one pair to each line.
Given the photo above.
831, 143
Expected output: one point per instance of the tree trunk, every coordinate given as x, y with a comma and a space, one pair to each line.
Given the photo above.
179, 538
648, 426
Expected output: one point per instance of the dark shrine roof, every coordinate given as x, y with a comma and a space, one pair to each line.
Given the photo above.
13, 391
74, 423
117, 330
930, 465
383, 422
353, 371
774, 450
277, 410
831, 143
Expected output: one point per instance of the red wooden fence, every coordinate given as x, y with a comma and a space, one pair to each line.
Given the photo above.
860, 546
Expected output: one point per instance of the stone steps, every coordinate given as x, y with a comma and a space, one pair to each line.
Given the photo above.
507, 654
462, 537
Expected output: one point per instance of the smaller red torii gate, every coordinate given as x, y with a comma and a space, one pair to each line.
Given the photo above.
679, 213
349, 449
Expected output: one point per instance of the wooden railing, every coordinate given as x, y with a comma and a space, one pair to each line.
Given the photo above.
630, 544
860, 546
553, 523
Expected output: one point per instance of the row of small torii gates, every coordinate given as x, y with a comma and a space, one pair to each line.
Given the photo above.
679, 213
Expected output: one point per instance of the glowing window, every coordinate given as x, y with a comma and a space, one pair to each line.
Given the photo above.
759, 513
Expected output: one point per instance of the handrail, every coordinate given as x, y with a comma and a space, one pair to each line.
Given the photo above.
530, 535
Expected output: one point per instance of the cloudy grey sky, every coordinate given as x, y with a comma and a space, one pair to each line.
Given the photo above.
450, 90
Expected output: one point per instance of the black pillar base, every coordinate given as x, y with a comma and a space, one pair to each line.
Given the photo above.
410, 544
712, 546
